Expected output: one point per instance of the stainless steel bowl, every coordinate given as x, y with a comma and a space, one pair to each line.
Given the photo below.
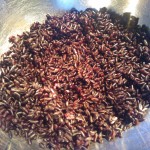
16, 17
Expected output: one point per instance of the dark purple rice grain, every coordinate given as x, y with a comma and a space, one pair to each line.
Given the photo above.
41, 145
10, 134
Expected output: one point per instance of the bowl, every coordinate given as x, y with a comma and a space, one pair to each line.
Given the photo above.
17, 16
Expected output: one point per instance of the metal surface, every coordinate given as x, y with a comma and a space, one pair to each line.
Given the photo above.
16, 17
